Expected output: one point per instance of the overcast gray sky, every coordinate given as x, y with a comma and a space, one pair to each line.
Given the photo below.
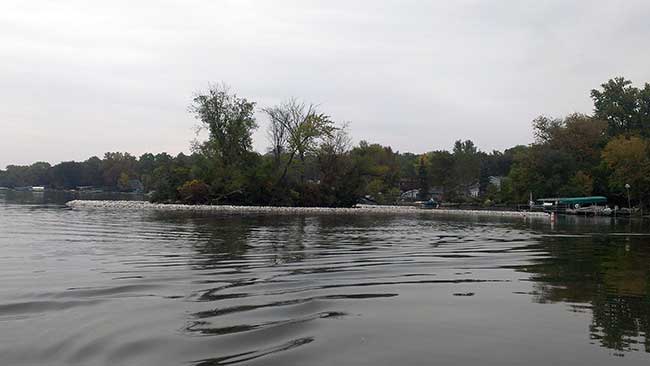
79, 78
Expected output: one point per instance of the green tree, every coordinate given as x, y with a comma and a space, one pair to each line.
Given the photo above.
92, 174
618, 103
169, 174
644, 109
423, 178
115, 165
441, 164
408, 163
563, 160
582, 184
466, 168
628, 159
66, 175
579, 135
230, 123
379, 170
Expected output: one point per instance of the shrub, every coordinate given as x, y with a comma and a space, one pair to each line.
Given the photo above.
194, 192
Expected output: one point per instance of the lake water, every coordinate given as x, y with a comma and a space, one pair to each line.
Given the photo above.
94, 287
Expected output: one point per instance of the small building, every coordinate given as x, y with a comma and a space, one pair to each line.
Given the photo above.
474, 190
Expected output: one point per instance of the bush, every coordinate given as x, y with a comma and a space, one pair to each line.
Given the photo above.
194, 192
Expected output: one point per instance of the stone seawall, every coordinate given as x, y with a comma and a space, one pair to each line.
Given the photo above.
227, 209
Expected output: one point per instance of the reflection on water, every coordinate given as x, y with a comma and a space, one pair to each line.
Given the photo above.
105, 288
607, 274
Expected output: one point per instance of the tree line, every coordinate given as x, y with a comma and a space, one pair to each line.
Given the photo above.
312, 162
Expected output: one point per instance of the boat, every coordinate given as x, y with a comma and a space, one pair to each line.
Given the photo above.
590, 211
430, 204
590, 205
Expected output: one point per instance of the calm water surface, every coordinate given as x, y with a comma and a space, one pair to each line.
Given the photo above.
132, 288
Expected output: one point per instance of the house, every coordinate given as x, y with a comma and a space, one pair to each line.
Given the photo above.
473, 190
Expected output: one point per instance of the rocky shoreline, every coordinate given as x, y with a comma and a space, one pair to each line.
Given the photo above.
269, 210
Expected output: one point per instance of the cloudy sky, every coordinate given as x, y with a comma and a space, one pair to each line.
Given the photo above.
79, 78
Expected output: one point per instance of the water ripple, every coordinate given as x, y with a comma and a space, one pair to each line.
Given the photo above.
104, 288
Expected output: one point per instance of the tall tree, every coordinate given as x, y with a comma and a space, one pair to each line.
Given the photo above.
423, 177
117, 164
581, 136
618, 104
644, 109
379, 170
339, 179
229, 120
441, 164
304, 127
466, 165
277, 131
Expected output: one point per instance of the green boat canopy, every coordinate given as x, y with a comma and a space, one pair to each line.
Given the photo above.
575, 200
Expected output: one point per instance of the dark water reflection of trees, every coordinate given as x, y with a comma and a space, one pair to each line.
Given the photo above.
279, 239
605, 272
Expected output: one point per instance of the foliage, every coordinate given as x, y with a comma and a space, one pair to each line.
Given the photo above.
297, 129
466, 165
123, 182
625, 107
229, 120
628, 159
561, 162
118, 166
423, 178
378, 171
194, 192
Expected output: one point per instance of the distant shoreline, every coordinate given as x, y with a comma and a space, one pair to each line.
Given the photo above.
271, 210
